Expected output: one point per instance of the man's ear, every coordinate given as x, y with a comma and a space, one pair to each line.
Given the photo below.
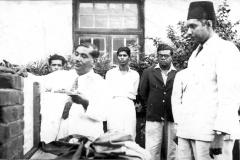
209, 23
94, 62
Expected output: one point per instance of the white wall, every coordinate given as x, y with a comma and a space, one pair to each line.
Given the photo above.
31, 30
161, 13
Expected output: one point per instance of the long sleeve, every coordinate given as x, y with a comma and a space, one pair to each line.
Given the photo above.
136, 85
176, 98
228, 78
109, 84
98, 101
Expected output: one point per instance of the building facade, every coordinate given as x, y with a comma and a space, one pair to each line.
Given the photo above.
33, 30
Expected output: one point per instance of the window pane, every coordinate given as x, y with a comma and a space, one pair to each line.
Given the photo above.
86, 21
115, 9
101, 21
86, 8
115, 58
131, 41
130, 22
99, 43
101, 8
117, 43
130, 10
85, 40
115, 22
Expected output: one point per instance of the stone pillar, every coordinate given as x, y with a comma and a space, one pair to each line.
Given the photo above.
11, 116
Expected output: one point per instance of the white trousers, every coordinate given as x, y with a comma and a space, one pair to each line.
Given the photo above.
199, 150
122, 116
158, 133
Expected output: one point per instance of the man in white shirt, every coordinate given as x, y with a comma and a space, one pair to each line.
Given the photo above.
82, 87
208, 122
123, 83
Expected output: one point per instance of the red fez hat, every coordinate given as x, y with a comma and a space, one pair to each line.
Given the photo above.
201, 10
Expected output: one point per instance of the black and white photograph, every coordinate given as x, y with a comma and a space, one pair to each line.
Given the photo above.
120, 79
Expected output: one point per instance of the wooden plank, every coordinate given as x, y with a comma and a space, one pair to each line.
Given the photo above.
30, 153
43, 155
36, 114
36, 121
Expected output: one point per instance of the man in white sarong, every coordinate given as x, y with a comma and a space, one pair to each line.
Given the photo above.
123, 83
85, 98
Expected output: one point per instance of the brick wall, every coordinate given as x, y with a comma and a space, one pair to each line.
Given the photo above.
11, 116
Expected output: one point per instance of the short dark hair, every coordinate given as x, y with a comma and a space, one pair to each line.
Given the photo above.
95, 52
56, 57
124, 49
204, 22
162, 47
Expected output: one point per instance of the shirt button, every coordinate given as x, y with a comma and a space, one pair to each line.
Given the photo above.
163, 101
164, 92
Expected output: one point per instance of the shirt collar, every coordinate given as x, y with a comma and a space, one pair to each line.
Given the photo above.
171, 67
89, 74
129, 70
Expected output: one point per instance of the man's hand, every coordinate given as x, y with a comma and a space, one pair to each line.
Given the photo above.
216, 145
80, 98
175, 138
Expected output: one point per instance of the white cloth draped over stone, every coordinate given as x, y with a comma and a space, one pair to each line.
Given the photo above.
87, 123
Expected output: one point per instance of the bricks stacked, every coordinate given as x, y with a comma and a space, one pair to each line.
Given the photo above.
11, 116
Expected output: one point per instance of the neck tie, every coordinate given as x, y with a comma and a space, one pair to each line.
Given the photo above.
75, 85
68, 105
199, 49
66, 110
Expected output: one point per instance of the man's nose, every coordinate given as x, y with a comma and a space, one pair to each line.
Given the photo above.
189, 32
78, 58
163, 57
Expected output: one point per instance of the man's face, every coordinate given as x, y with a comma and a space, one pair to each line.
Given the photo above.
123, 58
56, 65
83, 61
164, 58
198, 31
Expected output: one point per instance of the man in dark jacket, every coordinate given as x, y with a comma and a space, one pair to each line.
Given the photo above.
156, 89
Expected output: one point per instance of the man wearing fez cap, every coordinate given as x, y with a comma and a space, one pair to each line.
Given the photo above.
208, 115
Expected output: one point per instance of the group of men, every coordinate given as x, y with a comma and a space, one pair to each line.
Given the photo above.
199, 105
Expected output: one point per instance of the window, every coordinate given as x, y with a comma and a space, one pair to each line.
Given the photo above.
108, 24
108, 15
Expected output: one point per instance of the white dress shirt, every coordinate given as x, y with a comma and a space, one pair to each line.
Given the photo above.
87, 123
123, 85
164, 76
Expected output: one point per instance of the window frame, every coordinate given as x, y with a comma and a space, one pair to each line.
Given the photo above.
139, 31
